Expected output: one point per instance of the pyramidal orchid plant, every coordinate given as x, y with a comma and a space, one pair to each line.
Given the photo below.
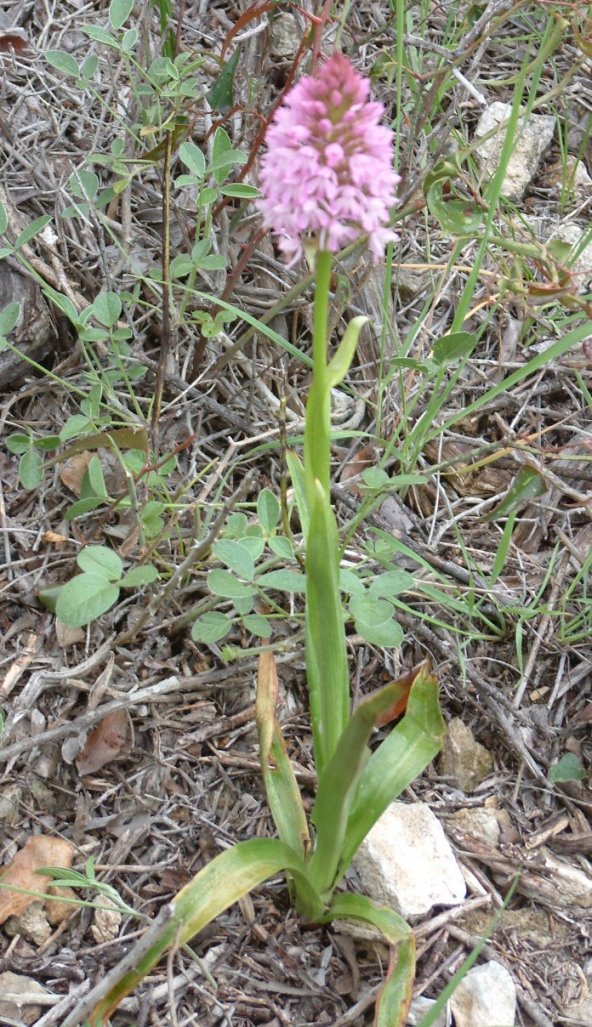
327, 178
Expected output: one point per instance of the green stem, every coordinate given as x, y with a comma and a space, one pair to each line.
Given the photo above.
317, 447
321, 313
326, 656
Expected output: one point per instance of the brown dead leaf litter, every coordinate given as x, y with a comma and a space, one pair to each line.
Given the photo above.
172, 779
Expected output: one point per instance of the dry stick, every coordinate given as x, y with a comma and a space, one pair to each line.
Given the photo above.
40, 678
150, 693
540, 635
442, 920
141, 695
132, 1002
165, 342
170, 982
482, 25
355, 1014
195, 553
55, 1015
211, 405
239, 267
180, 18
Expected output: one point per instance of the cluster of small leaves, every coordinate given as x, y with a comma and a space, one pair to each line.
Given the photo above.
94, 494
90, 594
249, 576
97, 325
208, 183
30, 450
446, 351
371, 604
93, 489
164, 90
241, 580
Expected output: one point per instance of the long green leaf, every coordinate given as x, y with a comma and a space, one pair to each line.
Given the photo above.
340, 363
393, 1003
394, 1000
338, 782
221, 883
403, 755
326, 656
296, 470
280, 782
220, 95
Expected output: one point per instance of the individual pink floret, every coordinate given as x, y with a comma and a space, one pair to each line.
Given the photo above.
327, 175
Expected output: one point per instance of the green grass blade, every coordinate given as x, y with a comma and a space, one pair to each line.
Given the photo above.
440, 1004
403, 755
394, 1000
540, 360
259, 326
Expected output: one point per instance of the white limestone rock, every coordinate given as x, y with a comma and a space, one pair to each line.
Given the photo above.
420, 1007
534, 138
285, 35
406, 861
571, 179
480, 823
463, 759
31, 923
17, 998
107, 922
486, 997
580, 256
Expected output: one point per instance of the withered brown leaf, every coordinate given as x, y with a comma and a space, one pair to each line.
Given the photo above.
39, 851
104, 743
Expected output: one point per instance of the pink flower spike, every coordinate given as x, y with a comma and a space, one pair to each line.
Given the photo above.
327, 175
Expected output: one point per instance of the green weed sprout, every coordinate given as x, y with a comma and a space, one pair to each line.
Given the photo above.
326, 178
